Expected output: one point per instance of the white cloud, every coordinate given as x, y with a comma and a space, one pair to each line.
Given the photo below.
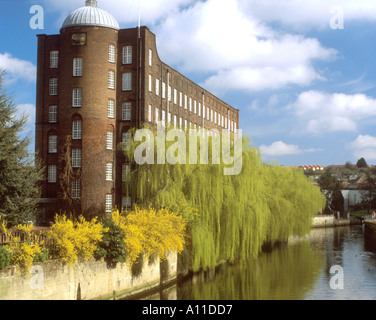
364, 146
280, 148
303, 14
320, 112
17, 69
238, 51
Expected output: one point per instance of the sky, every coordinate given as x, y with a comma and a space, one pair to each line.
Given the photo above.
301, 72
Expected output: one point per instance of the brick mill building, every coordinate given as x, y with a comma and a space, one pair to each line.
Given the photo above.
95, 81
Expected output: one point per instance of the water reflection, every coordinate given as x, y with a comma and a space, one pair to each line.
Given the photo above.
298, 270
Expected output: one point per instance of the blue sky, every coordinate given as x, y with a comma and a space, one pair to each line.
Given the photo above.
301, 72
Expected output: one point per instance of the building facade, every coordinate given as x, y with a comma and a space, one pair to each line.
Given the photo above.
95, 81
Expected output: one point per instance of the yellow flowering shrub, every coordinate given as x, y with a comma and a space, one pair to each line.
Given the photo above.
151, 232
23, 250
75, 240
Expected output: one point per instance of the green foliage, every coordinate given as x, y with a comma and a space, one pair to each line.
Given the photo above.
19, 192
361, 163
236, 214
111, 248
4, 258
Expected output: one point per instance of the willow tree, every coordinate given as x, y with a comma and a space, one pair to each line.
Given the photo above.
237, 214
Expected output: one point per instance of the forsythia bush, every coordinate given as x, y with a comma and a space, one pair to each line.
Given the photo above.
151, 232
24, 251
75, 240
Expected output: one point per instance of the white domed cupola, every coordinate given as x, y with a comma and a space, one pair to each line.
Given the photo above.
90, 15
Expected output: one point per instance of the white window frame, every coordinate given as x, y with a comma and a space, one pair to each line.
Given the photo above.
157, 87
180, 99
156, 115
149, 113
126, 138
164, 90
52, 174
175, 96
76, 158
111, 79
76, 189
77, 67
111, 53
53, 86
52, 143
185, 102
150, 83
109, 171
109, 140
52, 114
77, 130
127, 54
111, 108
54, 59
150, 57
127, 81
77, 98
126, 111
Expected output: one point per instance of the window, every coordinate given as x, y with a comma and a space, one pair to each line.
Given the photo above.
77, 98
109, 140
109, 171
53, 86
126, 139
156, 115
163, 118
223, 121
77, 129
169, 93
150, 57
126, 202
163, 90
150, 83
127, 55
127, 111
52, 174
111, 79
111, 53
169, 118
52, 144
219, 119
126, 172
149, 113
199, 109
175, 96
77, 67
111, 108
195, 107
180, 99
76, 158
175, 121
180, 122
215, 117
52, 114
54, 59
185, 101
190, 104
211, 113
127, 81
157, 87
76, 189
207, 113
185, 124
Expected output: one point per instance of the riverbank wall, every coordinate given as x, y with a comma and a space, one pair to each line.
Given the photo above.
53, 280
323, 221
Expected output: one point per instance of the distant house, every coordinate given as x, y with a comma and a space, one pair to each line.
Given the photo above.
312, 167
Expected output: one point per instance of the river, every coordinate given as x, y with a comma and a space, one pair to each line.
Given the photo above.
299, 270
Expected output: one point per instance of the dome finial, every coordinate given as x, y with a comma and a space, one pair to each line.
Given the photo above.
91, 3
